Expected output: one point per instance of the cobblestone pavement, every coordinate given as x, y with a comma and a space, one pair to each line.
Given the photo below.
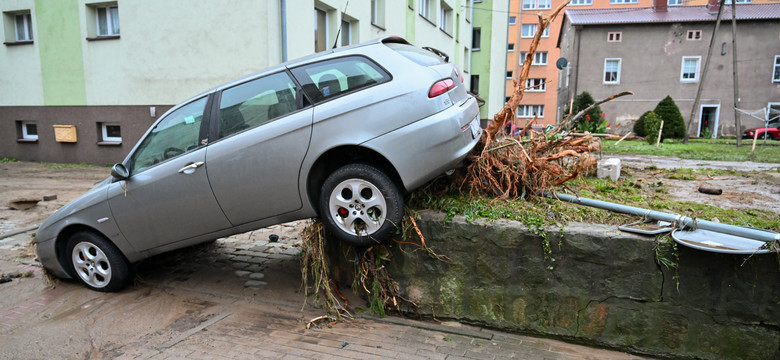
236, 298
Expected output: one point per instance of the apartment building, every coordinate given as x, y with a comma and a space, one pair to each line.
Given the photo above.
82, 80
661, 51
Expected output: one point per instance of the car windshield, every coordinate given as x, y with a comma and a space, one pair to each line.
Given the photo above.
420, 56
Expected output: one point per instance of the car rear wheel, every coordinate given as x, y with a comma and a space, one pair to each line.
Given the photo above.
360, 205
96, 262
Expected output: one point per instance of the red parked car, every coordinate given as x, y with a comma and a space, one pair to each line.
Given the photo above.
772, 131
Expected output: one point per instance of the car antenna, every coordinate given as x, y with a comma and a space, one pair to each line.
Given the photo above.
339, 32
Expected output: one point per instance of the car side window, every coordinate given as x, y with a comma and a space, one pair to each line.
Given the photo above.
256, 102
176, 134
328, 79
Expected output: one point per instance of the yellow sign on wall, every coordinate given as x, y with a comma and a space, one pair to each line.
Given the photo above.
65, 133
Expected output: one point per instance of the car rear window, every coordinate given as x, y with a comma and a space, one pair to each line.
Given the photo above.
328, 79
420, 56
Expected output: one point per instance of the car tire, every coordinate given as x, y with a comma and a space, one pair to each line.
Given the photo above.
96, 262
360, 205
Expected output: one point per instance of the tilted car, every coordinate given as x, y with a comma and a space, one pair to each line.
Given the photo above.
341, 135
771, 131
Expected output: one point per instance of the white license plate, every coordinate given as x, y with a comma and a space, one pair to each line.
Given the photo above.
476, 130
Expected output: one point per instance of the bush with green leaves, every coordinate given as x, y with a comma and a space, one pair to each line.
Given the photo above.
639, 125
652, 124
674, 125
593, 121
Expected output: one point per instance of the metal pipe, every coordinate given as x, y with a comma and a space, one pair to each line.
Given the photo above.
682, 221
284, 29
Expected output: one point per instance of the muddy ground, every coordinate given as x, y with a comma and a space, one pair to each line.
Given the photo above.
243, 288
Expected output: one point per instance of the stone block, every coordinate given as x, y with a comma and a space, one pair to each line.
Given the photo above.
609, 168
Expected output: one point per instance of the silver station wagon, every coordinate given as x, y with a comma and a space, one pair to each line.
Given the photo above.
342, 135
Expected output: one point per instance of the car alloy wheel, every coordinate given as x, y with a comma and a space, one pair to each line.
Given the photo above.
97, 263
361, 205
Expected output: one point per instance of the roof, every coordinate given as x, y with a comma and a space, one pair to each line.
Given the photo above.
674, 14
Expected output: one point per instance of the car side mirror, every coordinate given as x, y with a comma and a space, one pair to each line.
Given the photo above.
119, 172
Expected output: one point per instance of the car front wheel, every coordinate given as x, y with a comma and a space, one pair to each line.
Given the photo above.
96, 262
360, 205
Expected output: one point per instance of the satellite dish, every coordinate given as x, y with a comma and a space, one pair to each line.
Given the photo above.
561, 63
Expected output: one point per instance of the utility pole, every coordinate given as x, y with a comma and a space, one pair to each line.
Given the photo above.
737, 120
704, 72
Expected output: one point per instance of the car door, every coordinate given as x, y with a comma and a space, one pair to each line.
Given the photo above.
263, 133
167, 197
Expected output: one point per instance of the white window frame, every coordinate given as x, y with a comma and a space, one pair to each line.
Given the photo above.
445, 22
26, 135
536, 4
776, 70
537, 60
536, 85
617, 75
424, 9
528, 111
512, 20
675, 2
509, 74
26, 24
378, 13
533, 27
346, 32
769, 106
617, 2
473, 32
104, 132
728, 2
695, 79
615, 36
109, 20
325, 31
510, 47
581, 2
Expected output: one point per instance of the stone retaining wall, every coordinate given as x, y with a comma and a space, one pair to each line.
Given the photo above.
597, 286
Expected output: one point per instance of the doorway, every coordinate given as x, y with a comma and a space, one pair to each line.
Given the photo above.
708, 121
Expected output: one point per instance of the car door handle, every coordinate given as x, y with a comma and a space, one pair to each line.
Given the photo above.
191, 167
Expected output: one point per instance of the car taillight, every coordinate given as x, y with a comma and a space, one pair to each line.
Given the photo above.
441, 87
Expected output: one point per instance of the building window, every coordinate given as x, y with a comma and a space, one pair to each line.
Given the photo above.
512, 20
529, 111
614, 37
509, 74
536, 85
110, 133
530, 29
510, 47
445, 23
536, 4
776, 72
425, 9
107, 20
476, 38
378, 13
474, 84
694, 35
29, 130
675, 2
540, 57
346, 32
320, 30
728, 2
581, 2
612, 71
615, 2
690, 69
23, 27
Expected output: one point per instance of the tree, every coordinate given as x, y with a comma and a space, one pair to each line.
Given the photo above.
593, 121
674, 125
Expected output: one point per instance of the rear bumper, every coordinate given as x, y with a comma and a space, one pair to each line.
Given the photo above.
426, 148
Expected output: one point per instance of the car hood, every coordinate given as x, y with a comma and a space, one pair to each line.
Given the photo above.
92, 197
760, 128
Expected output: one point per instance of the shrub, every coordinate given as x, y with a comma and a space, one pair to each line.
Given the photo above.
639, 125
652, 123
593, 121
674, 125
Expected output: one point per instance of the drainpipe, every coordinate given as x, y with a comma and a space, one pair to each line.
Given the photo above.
284, 30
577, 68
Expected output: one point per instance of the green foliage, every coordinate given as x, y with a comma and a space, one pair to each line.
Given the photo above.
674, 125
652, 124
699, 149
705, 134
8, 160
639, 125
593, 121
